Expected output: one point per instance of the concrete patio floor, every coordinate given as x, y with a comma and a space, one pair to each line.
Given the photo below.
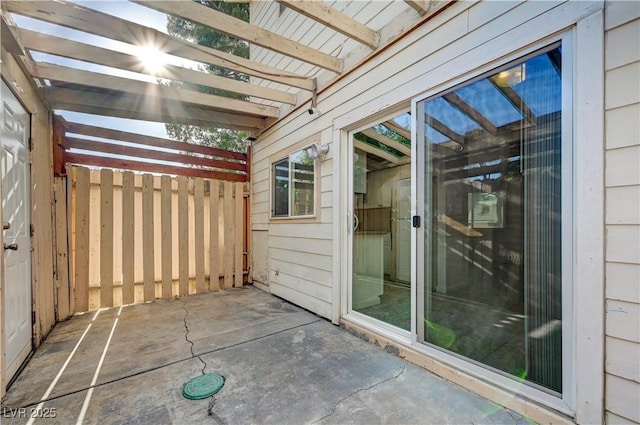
282, 364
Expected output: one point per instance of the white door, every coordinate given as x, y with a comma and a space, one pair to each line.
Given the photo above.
16, 234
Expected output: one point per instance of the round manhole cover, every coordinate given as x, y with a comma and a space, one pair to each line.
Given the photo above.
203, 386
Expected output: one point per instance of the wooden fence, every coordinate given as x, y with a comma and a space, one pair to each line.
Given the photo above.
135, 238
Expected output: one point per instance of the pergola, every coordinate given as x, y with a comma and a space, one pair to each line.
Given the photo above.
271, 92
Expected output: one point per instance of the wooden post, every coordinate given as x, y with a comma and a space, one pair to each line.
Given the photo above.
228, 234
198, 223
214, 223
165, 210
238, 234
148, 269
81, 252
128, 239
62, 250
106, 238
59, 162
183, 236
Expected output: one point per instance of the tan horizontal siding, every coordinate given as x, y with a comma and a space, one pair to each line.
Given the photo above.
622, 208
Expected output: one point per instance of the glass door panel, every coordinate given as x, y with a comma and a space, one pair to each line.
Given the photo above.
381, 254
492, 208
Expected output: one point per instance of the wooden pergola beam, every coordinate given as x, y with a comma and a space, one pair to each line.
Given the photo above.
396, 128
81, 18
332, 18
400, 147
365, 147
85, 52
134, 152
237, 28
9, 38
443, 129
471, 112
418, 6
150, 167
515, 99
152, 92
158, 142
130, 106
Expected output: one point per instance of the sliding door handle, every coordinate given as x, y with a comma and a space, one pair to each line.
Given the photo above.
6, 225
13, 246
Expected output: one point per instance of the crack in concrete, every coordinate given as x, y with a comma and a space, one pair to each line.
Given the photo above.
214, 415
212, 399
335, 406
186, 337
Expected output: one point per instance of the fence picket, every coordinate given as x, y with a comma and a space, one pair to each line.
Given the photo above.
106, 238
165, 211
183, 236
81, 275
148, 270
128, 240
198, 222
214, 223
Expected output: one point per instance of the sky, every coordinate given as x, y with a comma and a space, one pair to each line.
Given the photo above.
123, 9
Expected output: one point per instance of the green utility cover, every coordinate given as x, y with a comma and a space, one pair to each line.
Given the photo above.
203, 386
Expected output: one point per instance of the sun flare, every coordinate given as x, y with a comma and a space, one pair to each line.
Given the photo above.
152, 59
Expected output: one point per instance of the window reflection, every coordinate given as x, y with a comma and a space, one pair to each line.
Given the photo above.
492, 249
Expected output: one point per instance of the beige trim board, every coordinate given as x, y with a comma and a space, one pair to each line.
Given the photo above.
497, 395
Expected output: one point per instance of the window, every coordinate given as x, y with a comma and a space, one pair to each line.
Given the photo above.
494, 199
294, 185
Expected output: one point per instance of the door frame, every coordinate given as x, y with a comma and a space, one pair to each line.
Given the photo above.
343, 230
586, 21
4, 379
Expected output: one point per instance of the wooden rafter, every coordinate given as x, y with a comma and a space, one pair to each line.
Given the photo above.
10, 42
78, 99
396, 128
418, 6
471, 112
207, 161
400, 147
81, 18
365, 147
85, 52
157, 142
149, 90
515, 100
126, 164
234, 27
119, 149
444, 130
332, 18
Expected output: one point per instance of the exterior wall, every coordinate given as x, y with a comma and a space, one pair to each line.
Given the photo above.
293, 256
452, 39
42, 212
622, 181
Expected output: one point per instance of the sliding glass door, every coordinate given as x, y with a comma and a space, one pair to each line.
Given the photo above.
491, 176
381, 205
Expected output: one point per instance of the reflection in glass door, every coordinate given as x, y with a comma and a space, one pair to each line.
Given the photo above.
493, 233
381, 254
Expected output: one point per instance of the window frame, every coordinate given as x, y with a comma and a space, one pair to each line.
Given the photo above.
287, 157
567, 211
566, 401
585, 22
